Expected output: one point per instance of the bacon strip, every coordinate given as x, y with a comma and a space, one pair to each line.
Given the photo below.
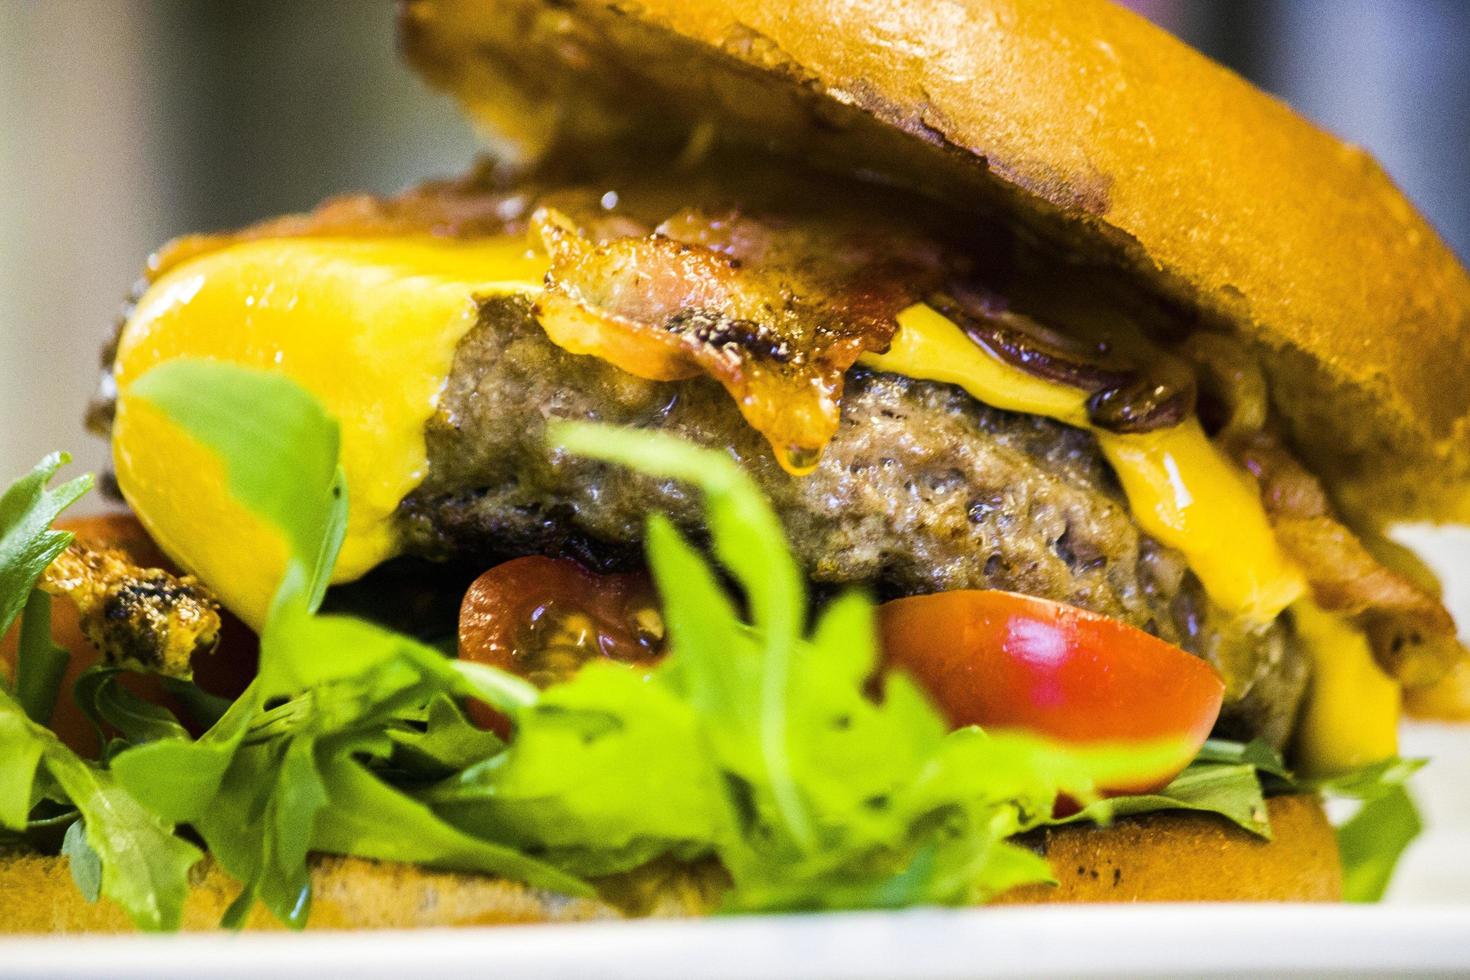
775, 314
143, 618
1413, 637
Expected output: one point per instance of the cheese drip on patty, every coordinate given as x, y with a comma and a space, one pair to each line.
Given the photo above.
368, 326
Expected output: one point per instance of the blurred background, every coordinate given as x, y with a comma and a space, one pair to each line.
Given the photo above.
125, 122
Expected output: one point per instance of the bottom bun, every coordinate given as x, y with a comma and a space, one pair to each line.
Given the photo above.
1161, 857
1193, 857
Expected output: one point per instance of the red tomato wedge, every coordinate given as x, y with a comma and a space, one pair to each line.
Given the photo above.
542, 618
1007, 661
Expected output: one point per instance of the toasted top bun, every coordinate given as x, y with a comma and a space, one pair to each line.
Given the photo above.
1074, 118
1165, 857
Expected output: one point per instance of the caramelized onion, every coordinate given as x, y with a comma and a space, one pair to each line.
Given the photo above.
1412, 636
1123, 394
1233, 381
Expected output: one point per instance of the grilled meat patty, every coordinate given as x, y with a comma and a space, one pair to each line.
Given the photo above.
922, 489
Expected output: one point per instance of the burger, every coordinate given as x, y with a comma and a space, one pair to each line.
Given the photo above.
823, 456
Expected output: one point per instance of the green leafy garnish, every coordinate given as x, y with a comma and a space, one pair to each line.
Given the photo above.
303, 780
1372, 841
754, 741
108, 704
1232, 790
280, 450
1366, 782
759, 743
39, 662
765, 739
749, 541
27, 542
263, 788
136, 859
143, 866
1256, 754
86, 865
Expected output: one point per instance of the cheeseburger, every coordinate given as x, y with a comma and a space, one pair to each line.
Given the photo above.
825, 455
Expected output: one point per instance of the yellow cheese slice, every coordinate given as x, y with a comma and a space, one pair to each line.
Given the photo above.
1351, 715
369, 326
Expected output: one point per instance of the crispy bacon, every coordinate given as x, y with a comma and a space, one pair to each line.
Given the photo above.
1413, 636
776, 314
143, 618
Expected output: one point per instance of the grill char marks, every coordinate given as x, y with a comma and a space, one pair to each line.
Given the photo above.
921, 489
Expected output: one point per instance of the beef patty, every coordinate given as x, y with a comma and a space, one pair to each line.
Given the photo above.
923, 489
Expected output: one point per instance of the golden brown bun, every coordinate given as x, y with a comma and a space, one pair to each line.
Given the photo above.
37, 895
1161, 857
1103, 134
1191, 857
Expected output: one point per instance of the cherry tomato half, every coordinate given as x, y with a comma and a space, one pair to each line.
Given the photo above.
1008, 661
542, 618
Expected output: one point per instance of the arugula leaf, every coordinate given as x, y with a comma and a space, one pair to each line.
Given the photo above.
1371, 842
256, 786
27, 542
1367, 782
1257, 754
603, 766
293, 782
203, 708
20, 756
281, 453
39, 662
279, 446
446, 744
178, 779
104, 701
368, 818
144, 867
260, 827
85, 864
750, 542
1233, 790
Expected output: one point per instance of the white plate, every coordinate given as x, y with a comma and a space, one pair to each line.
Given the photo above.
1160, 940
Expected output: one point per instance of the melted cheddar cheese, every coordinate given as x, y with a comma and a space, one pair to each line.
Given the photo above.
1352, 710
370, 327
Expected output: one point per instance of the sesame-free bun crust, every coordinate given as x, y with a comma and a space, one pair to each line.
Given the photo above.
1076, 119
1167, 857
1191, 857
